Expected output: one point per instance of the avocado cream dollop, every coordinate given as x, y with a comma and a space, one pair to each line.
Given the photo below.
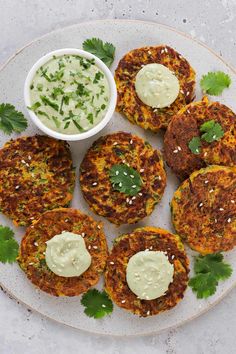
156, 85
66, 255
149, 274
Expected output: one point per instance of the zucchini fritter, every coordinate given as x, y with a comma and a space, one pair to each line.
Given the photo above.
129, 103
32, 259
185, 125
103, 199
124, 248
204, 209
36, 175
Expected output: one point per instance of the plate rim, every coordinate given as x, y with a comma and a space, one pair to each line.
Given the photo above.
230, 67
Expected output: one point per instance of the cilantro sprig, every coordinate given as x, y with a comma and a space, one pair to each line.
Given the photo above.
125, 179
97, 303
195, 145
211, 131
8, 245
215, 82
103, 50
209, 270
11, 120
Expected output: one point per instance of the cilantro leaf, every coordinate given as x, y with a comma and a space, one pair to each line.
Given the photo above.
125, 179
204, 285
97, 304
215, 82
8, 245
195, 145
104, 51
212, 131
11, 120
209, 270
214, 264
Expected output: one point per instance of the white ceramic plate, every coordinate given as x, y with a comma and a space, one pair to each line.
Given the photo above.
125, 35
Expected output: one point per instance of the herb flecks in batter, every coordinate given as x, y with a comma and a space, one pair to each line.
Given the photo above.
195, 145
212, 131
215, 82
97, 304
11, 120
104, 51
209, 270
125, 179
8, 245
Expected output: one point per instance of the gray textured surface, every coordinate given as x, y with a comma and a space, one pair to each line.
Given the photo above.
213, 22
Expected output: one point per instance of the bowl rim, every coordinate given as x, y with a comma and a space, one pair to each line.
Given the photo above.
112, 102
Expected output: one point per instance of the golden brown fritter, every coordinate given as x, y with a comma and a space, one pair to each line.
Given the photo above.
185, 125
129, 103
36, 174
103, 199
32, 259
204, 209
124, 248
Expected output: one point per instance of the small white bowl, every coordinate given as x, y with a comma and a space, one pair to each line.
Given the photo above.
111, 106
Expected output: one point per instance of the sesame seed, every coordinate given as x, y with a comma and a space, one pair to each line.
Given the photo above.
140, 194
134, 186
120, 184
142, 170
132, 176
232, 201
162, 51
44, 253
211, 190
95, 247
181, 91
206, 182
159, 177
99, 227
175, 151
187, 93
133, 198
36, 244
151, 248
200, 204
155, 110
215, 221
115, 143
89, 247
125, 173
188, 111
229, 220
149, 52
166, 50
123, 301
172, 257
179, 148
221, 209
17, 187
214, 136
205, 153
31, 263
29, 157
83, 234
148, 313
23, 161
94, 183
117, 172
130, 202
103, 305
131, 142
112, 263
127, 200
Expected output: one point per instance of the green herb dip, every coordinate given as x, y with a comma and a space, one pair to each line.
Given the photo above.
69, 94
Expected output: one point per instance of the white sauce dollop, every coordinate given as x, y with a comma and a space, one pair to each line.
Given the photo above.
156, 85
149, 274
66, 255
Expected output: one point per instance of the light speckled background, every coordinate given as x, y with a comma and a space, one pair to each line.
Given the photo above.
213, 22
